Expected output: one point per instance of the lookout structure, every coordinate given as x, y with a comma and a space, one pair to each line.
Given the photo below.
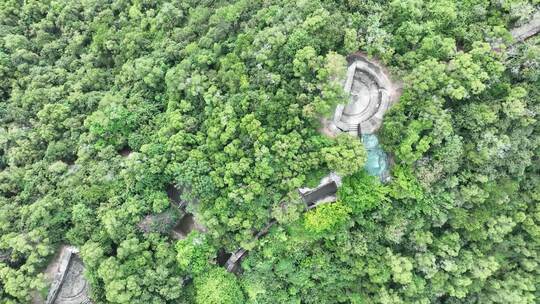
371, 94
69, 285
527, 30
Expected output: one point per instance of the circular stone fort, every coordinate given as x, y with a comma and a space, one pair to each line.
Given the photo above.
371, 94
69, 285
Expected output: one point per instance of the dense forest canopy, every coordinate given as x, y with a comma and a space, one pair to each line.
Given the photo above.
106, 104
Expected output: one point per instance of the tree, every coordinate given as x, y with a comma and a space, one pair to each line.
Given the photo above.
347, 157
326, 218
194, 254
104, 107
218, 287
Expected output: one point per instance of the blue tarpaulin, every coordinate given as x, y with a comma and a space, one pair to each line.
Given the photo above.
377, 160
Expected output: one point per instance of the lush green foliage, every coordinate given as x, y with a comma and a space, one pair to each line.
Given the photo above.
218, 287
194, 254
326, 218
106, 103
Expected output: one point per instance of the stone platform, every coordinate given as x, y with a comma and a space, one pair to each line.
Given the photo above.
69, 285
371, 94
527, 30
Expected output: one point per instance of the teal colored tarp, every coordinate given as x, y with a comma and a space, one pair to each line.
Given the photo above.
377, 160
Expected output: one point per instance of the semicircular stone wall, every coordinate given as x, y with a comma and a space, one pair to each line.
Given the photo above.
69, 285
74, 289
369, 97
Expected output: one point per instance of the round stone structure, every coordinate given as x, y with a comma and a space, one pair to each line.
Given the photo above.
371, 94
69, 285
74, 289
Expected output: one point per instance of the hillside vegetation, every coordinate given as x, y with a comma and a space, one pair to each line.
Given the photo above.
106, 104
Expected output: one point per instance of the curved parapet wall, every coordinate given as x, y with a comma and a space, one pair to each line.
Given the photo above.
69, 286
371, 94
527, 30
